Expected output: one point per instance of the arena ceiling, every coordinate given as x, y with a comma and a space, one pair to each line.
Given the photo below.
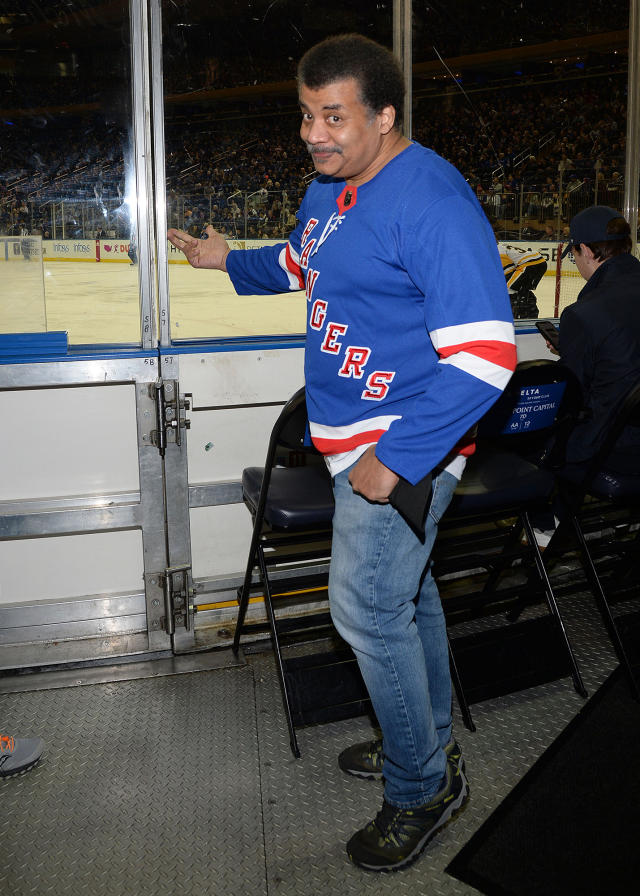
89, 38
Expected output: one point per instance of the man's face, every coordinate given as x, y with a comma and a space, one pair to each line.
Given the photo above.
342, 135
581, 263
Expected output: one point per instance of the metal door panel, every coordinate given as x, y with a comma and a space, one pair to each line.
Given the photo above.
76, 549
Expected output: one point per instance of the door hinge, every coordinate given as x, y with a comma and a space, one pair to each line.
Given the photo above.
171, 413
178, 598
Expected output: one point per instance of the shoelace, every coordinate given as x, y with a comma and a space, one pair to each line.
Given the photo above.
386, 822
396, 826
375, 753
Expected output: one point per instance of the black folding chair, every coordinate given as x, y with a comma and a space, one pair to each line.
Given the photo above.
481, 537
291, 502
594, 503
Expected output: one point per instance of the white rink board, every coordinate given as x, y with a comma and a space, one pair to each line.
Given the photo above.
218, 379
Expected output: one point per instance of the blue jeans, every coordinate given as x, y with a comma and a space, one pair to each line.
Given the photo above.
385, 604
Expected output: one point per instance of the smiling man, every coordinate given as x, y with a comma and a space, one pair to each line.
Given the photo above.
345, 140
409, 341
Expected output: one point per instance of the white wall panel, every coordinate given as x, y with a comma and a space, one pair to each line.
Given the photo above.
68, 442
70, 566
220, 539
78, 441
222, 443
251, 377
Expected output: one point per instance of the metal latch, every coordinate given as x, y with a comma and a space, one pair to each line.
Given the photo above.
171, 412
178, 597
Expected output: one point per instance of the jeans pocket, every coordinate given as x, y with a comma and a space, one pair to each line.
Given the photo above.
444, 485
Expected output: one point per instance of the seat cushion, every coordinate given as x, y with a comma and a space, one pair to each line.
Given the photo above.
619, 487
299, 497
501, 480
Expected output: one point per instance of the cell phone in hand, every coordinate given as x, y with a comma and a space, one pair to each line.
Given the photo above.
549, 331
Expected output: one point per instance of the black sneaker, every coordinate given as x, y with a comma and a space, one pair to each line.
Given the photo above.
396, 837
365, 760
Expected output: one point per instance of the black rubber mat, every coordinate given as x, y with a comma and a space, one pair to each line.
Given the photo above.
571, 824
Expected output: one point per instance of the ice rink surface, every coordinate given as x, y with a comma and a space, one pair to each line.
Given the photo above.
99, 302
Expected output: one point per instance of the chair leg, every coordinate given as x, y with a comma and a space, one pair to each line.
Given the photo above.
603, 606
243, 603
293, 740
457, 685
512, 540
553, 605
533, 578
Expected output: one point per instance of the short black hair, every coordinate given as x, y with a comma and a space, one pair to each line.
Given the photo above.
372, 66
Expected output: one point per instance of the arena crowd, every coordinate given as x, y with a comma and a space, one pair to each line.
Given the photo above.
241, 166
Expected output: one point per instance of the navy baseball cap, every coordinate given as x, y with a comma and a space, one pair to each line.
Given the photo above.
590, 226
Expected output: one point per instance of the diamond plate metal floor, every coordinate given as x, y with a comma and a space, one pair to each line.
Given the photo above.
186, 783
146, 787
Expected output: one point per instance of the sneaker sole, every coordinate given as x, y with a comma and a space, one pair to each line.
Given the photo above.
21, 770
364, 776
453, 809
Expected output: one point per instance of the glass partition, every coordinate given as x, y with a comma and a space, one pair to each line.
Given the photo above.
67, 185
22, 306
538, 133
234, 158
531, 108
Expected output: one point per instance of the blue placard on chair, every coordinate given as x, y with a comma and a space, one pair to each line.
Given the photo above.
536, 409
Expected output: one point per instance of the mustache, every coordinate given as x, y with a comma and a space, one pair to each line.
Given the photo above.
312, 150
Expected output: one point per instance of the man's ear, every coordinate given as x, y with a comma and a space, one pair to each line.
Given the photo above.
387, 119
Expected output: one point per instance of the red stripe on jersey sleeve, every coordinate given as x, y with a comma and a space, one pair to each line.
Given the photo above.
465, 446
503, 354
338, 446
293, 267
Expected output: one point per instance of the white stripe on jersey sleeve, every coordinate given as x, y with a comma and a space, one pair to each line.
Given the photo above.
322, 431
489, 373
294, 283
479, 331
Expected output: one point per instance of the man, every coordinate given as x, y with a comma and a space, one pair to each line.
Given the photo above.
600, 334
523, 270
409, 342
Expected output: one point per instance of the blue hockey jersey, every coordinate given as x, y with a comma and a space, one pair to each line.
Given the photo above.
409, 329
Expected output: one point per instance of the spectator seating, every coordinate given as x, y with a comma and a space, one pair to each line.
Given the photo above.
291, 503
608, 501
486, 539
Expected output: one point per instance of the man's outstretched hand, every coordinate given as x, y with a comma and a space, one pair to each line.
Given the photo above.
208, 253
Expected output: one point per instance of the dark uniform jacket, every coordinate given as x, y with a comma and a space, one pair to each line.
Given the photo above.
600, 343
